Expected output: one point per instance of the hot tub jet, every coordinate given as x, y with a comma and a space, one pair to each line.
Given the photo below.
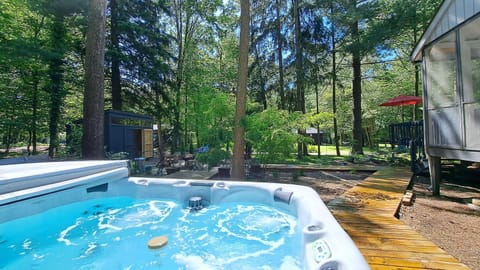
195, 203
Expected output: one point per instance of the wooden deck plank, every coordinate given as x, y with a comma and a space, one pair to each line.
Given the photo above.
366, 212
402, 254
398, 234
391, 267
427, 264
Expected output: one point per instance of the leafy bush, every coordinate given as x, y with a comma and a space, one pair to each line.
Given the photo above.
73, 139
213, 116
272, 134
213, 157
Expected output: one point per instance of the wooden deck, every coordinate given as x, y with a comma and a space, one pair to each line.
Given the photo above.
366, 212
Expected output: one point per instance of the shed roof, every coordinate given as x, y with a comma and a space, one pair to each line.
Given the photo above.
450, 14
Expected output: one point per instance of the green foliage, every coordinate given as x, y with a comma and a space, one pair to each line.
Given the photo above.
324, 120
213, 157
198, 95
357, 158
213, 117
74, 140
271, 133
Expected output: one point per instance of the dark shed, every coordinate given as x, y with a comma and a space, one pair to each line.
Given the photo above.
129, 132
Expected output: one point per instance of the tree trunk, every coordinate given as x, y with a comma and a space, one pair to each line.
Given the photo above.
115, 80
238, 159
35, 117
261, 96
318, 111
417, 75
181, 38
35, 96
93, 103
334, 90
300, 94
281, 87
185, 120
357, 144
56, 89
8, 139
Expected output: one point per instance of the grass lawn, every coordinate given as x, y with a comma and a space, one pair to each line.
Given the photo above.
381, 154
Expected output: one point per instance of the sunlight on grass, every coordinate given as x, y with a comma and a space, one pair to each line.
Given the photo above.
380, 154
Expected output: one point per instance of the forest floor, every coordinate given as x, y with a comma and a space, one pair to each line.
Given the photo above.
450, 221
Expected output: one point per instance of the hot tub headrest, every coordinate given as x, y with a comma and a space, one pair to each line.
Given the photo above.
282, 196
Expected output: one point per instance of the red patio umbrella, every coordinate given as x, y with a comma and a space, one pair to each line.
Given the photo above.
402, 100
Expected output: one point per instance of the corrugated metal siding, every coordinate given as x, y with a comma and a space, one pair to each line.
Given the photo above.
456, 13
460, 10
469, 8
450, 14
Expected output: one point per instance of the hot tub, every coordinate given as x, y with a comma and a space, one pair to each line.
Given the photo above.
291, 220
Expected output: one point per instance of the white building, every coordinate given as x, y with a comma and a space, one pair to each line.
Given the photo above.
449, 52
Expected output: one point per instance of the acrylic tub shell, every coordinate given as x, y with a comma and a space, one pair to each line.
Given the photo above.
27, 189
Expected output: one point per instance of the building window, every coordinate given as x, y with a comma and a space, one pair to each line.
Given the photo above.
441, 66
130, 121
470, 51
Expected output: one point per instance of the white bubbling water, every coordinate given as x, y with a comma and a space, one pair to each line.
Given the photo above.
112, 233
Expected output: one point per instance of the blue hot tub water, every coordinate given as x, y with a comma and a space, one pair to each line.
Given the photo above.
92, 215
112, 233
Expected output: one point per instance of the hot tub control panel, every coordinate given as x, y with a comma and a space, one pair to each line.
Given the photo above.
321, 251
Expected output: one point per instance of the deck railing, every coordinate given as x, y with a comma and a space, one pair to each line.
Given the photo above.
410, 135
403, 133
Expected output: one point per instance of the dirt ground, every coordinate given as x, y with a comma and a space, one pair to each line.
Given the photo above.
451, 221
